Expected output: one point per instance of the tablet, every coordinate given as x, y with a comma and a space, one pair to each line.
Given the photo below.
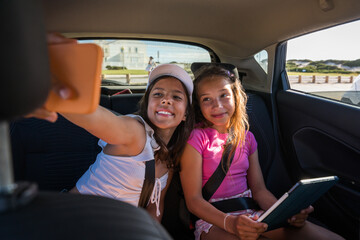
300, 196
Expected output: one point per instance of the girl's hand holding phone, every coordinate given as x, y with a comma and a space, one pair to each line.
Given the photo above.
62, 92
77, 67
51, 116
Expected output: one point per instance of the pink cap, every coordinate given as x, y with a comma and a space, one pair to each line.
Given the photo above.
175, 71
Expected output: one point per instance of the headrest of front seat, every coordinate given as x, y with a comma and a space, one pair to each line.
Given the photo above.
25, 74
228, 66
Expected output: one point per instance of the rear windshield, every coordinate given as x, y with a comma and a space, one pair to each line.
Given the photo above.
127, 63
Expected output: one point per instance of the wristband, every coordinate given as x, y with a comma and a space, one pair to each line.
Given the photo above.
225, 221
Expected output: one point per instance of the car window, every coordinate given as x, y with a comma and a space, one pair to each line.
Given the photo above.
262, 58
327, 63
128, 62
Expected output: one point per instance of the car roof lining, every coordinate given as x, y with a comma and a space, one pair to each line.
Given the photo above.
230, 28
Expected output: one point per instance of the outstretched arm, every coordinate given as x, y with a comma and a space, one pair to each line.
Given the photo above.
116, 130
62, 91
119, 131
124, 132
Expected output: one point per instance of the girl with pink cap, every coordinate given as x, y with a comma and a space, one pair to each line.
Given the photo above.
158, 132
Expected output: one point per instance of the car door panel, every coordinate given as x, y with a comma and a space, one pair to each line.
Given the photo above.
323, 138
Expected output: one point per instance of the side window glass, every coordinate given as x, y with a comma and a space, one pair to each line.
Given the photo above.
262, 59
327, 63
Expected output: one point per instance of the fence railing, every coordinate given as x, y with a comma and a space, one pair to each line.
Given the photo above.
320, 79
126, 78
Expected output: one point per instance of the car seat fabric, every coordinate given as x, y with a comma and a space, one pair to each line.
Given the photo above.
125, 103
261, 126
48, 154
174, 220
25, 82
228, 66
74, 216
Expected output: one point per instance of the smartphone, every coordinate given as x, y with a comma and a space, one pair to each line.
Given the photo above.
78, 67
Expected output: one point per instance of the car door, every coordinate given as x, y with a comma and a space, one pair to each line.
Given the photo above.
320, 135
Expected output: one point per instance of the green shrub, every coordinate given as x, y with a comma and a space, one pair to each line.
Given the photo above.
108, 67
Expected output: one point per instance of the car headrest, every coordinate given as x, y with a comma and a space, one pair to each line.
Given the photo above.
228, 66
25, 74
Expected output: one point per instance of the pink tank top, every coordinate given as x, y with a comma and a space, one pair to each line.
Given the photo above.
209, 143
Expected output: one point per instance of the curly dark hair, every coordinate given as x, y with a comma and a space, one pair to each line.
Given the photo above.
169, 153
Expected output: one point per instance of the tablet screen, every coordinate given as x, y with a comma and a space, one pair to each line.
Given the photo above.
300, 196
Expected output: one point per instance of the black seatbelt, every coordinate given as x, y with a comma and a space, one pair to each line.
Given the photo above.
148, 184
210, 187
216, 179
236, 204
214, 182
218, 176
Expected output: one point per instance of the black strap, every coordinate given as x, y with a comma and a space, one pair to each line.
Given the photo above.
218, 176
148, 184
210, 187
236, 204
228, 205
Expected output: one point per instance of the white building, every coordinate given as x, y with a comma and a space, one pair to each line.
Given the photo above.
124, 53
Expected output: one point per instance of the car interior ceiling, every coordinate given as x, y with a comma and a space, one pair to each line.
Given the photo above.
237, 37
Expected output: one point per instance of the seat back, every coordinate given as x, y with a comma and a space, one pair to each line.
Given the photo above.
55, 155
125, 103
261, 126
25, 74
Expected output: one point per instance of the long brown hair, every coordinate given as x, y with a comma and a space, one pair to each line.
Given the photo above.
239, 123
170, 153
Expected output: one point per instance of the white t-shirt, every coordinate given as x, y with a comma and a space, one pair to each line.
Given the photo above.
122, 177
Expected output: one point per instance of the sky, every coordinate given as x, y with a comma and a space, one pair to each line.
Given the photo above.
325, 44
